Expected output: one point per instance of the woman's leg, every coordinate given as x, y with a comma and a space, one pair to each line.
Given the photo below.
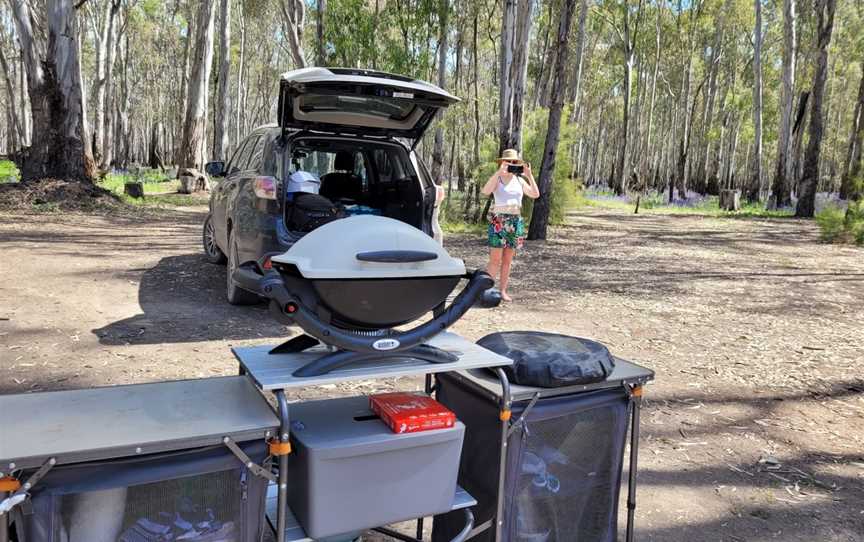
494, 266
506, 260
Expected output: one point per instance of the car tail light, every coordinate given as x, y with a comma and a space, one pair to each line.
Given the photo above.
268, 264
439, 194
265, 187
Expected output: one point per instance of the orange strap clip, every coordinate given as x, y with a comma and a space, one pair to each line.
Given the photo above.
9, 484
278, 448
636, 391
505, 415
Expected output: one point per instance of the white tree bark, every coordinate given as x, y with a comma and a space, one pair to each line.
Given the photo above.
108, 103
293, 15
519, 69
755, 187
220, 131
192, 144
505, 102
781, 187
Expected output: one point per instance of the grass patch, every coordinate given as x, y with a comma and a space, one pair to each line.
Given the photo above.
8, 172
159, 191
463, 227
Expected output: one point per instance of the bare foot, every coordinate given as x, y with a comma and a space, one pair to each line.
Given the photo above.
506, 297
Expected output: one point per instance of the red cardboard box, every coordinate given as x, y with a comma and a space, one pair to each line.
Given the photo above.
410, 413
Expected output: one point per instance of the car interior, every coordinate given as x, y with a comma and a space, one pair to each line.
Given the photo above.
364, 177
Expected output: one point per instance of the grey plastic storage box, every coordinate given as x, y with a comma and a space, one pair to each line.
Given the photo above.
350, 472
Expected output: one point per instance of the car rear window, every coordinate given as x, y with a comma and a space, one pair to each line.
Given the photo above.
387, 108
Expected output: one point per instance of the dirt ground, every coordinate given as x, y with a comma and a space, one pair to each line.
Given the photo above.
753, 430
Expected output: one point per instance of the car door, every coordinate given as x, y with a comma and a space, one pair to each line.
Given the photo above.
226, 187
356, 101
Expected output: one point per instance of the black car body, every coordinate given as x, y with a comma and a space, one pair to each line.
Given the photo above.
354, 129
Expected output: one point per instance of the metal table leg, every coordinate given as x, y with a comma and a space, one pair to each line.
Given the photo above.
284, 436
504, 415
636, 398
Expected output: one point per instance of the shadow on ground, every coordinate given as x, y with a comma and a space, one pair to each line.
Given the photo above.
183, 299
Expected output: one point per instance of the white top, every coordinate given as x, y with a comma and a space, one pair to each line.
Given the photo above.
508, 195
303, 181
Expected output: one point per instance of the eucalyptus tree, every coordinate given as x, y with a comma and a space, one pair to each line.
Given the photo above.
825, 10
540, 214
194, 126
49, 49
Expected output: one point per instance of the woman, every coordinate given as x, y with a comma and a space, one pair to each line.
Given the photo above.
506, 227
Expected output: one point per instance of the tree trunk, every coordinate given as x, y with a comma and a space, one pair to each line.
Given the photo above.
780, 191
108, 104
754, 189
293, 14
191, 146
62, 149
15, 131
576, 85
239, 105
856, 139
319, 33
220, 130
810, 176
542, 206
505, 101
519, 68
476, 53
798, 139
443, 45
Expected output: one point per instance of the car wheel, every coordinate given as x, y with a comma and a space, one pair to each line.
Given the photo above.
212, 252
236, 295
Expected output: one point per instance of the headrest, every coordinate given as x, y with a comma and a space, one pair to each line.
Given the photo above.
344, 161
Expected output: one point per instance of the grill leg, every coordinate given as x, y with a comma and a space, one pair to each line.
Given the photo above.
634, 456
282, 502
502, 458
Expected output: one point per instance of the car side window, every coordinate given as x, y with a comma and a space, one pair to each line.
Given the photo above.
257, 154
243, 161
234, 164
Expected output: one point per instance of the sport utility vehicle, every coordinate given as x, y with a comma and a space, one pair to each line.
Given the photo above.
356, 130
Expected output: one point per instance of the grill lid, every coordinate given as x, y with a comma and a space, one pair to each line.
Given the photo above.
370, 247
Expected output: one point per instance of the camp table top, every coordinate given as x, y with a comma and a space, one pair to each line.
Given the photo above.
122, 421
275, 371
624, 373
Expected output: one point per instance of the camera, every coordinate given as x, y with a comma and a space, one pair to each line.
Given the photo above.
513, 168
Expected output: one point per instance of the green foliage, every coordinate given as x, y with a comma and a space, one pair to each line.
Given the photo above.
842, 226
8, 172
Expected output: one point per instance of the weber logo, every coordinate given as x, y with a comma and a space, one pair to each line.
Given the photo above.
386, 344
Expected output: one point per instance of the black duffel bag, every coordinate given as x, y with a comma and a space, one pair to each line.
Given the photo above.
307, 212
550, 360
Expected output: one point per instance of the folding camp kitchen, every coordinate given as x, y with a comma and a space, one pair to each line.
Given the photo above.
221, 424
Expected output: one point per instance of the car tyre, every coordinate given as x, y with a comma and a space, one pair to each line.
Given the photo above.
212, 252
236, 295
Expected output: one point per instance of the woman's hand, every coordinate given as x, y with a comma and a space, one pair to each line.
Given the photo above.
531, 190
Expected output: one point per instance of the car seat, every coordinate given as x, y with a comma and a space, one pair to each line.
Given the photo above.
343, 182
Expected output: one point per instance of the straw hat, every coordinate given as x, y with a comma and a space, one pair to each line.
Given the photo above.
510, 155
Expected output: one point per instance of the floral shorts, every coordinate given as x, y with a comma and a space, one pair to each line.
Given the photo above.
506, 231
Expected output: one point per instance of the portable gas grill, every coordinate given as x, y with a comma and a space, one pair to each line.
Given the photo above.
349, 283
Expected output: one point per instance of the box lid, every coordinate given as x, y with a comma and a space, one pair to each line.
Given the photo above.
347, 427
